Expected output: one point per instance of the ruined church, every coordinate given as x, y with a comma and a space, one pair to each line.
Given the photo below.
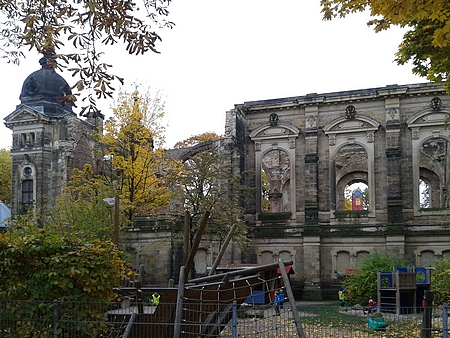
335, 177
308, 151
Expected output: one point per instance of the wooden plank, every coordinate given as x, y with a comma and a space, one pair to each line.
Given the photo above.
241, 272
187, 223
223, 249
291, 298
197, 240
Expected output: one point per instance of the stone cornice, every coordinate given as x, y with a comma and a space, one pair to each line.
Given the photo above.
341, 97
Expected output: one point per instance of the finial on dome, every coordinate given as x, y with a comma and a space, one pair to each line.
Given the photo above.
43, 61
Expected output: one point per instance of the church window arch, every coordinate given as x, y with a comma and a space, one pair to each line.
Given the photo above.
430, 163
434, 164
274, 149
352, 152
352, 167
27, 186
275, 181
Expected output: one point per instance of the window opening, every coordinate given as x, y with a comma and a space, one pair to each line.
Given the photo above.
356, 196
275, 182
27, 192
424, 189
433, 183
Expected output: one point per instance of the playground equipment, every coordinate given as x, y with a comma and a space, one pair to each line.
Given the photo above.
200, 307
402, 290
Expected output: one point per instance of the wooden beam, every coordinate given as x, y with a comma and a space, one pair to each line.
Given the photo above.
222, 250
240, 272
187, 223
291, 299
197, 240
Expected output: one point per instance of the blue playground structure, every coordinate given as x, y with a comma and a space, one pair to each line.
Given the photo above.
402, 290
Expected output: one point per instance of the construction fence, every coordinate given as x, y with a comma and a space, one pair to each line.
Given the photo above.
23, 319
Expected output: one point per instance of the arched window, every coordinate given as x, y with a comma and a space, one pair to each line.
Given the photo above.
351, 141
274, 158
275, 168
430, 162
27, 192
433, 170
352, 175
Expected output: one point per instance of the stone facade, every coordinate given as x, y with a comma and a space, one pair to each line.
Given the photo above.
49, 141
306, 150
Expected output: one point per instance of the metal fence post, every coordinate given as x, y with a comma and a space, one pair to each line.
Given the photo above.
445, 320
234, 320
55, 318
427, 304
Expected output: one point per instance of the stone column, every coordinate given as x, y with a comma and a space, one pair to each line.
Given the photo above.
393, 156
311, 248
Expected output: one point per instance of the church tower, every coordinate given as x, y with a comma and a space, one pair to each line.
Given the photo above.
48, 140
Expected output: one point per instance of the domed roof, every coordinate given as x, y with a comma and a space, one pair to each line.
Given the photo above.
45, 88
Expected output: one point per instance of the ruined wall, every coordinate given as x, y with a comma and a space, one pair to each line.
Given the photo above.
372, 136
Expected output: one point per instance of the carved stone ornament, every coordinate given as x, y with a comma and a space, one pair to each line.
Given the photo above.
332, 140
436, 103
393, 114
370, 137
257, 146
415, 134
291, 144
350, 112
311, 121
273, 119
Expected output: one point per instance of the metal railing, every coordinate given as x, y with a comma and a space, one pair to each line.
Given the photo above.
19, 319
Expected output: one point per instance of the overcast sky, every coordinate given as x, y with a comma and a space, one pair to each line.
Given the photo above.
222, 53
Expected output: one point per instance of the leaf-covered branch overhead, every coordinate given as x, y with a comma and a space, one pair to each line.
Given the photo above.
426, 44
71, 32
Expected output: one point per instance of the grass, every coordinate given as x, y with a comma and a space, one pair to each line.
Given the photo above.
331, 316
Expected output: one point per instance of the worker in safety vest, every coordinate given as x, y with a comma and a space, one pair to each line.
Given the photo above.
155, 298
341, 297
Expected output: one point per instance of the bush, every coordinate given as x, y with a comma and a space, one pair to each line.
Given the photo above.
362, 285
440, 282
46, 264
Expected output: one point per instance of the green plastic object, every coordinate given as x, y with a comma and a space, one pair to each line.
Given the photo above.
377, 323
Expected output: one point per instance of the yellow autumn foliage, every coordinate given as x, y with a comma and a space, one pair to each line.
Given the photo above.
426, 42
133, 141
